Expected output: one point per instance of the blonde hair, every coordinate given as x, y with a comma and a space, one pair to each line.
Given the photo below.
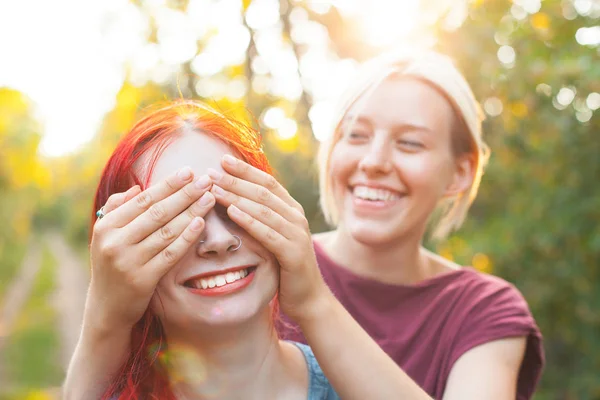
440, 72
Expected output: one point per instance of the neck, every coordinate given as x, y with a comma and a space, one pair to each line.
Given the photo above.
242, 362
402, 262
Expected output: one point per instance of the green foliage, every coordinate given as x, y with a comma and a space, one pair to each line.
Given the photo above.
537, 212
31, 351
21, 174
534, 222
12, 255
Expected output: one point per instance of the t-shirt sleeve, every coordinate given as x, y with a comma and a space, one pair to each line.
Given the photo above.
496, 310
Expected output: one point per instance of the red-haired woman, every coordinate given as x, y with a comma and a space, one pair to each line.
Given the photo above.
185, 271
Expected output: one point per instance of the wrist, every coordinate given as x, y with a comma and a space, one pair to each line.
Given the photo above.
98, 327
98, 333
318, 308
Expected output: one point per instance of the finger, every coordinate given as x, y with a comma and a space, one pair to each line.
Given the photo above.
245, 171
160, 213
118, 199
113, 202
144, 200
164, 236
131, 193
260, 212
271, 239
168, 257
256, 193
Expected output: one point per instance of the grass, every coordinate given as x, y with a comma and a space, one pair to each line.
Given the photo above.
31, 356
11, 257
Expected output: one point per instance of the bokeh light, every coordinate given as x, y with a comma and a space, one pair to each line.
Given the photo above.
593, 101
493, 106
506, 55
77, 74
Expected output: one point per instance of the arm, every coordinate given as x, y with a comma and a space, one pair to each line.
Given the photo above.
497, 381
141, 237
354, 364
97, 358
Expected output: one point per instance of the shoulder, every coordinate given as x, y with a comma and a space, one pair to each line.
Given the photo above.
484, 290
319, 386
489, 303
471, 281
474, 286
495, 313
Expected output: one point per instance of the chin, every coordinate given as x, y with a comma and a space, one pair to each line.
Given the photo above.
370, 234
232, 314
188, 312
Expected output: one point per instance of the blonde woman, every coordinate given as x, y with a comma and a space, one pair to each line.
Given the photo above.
406, 154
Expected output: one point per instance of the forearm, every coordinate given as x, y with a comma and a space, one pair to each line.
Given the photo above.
97, 358
353, 362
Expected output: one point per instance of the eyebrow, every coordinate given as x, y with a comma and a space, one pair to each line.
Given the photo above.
395, 128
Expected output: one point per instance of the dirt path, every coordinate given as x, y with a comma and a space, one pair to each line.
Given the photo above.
72, 278
16, 295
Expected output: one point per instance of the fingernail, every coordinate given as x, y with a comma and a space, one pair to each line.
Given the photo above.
203, 182
219, 191
185, 173
196, 224
205, 199
229, 159
234, 210
214, 174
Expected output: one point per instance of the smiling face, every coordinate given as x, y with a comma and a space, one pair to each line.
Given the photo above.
394, 162
220, 281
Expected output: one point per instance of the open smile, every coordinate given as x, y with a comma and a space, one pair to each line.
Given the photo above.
371, 198
221, 283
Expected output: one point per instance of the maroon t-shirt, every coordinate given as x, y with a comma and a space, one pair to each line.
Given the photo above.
426, 327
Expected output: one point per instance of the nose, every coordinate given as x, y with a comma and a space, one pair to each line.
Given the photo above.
217, 239
377, 157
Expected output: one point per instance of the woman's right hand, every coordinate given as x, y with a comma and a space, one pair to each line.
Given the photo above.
141, 236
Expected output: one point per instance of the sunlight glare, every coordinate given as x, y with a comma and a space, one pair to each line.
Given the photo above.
70, 72
386, 22
273, 117
175, 36
287, 129
320, 116
262, 14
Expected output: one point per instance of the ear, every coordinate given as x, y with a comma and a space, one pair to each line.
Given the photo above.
462, 176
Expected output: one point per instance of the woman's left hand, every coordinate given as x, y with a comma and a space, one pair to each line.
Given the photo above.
261, 206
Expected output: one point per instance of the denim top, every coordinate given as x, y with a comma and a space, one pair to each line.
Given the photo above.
319, 387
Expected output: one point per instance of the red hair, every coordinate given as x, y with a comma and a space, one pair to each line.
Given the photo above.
141, 376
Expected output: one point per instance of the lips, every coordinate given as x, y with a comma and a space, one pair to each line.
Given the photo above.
218, 280
222, 282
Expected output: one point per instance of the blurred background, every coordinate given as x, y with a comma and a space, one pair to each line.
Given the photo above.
74, 74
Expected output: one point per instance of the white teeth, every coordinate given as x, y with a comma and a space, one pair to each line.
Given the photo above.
367, 193
230, 277
219, 280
